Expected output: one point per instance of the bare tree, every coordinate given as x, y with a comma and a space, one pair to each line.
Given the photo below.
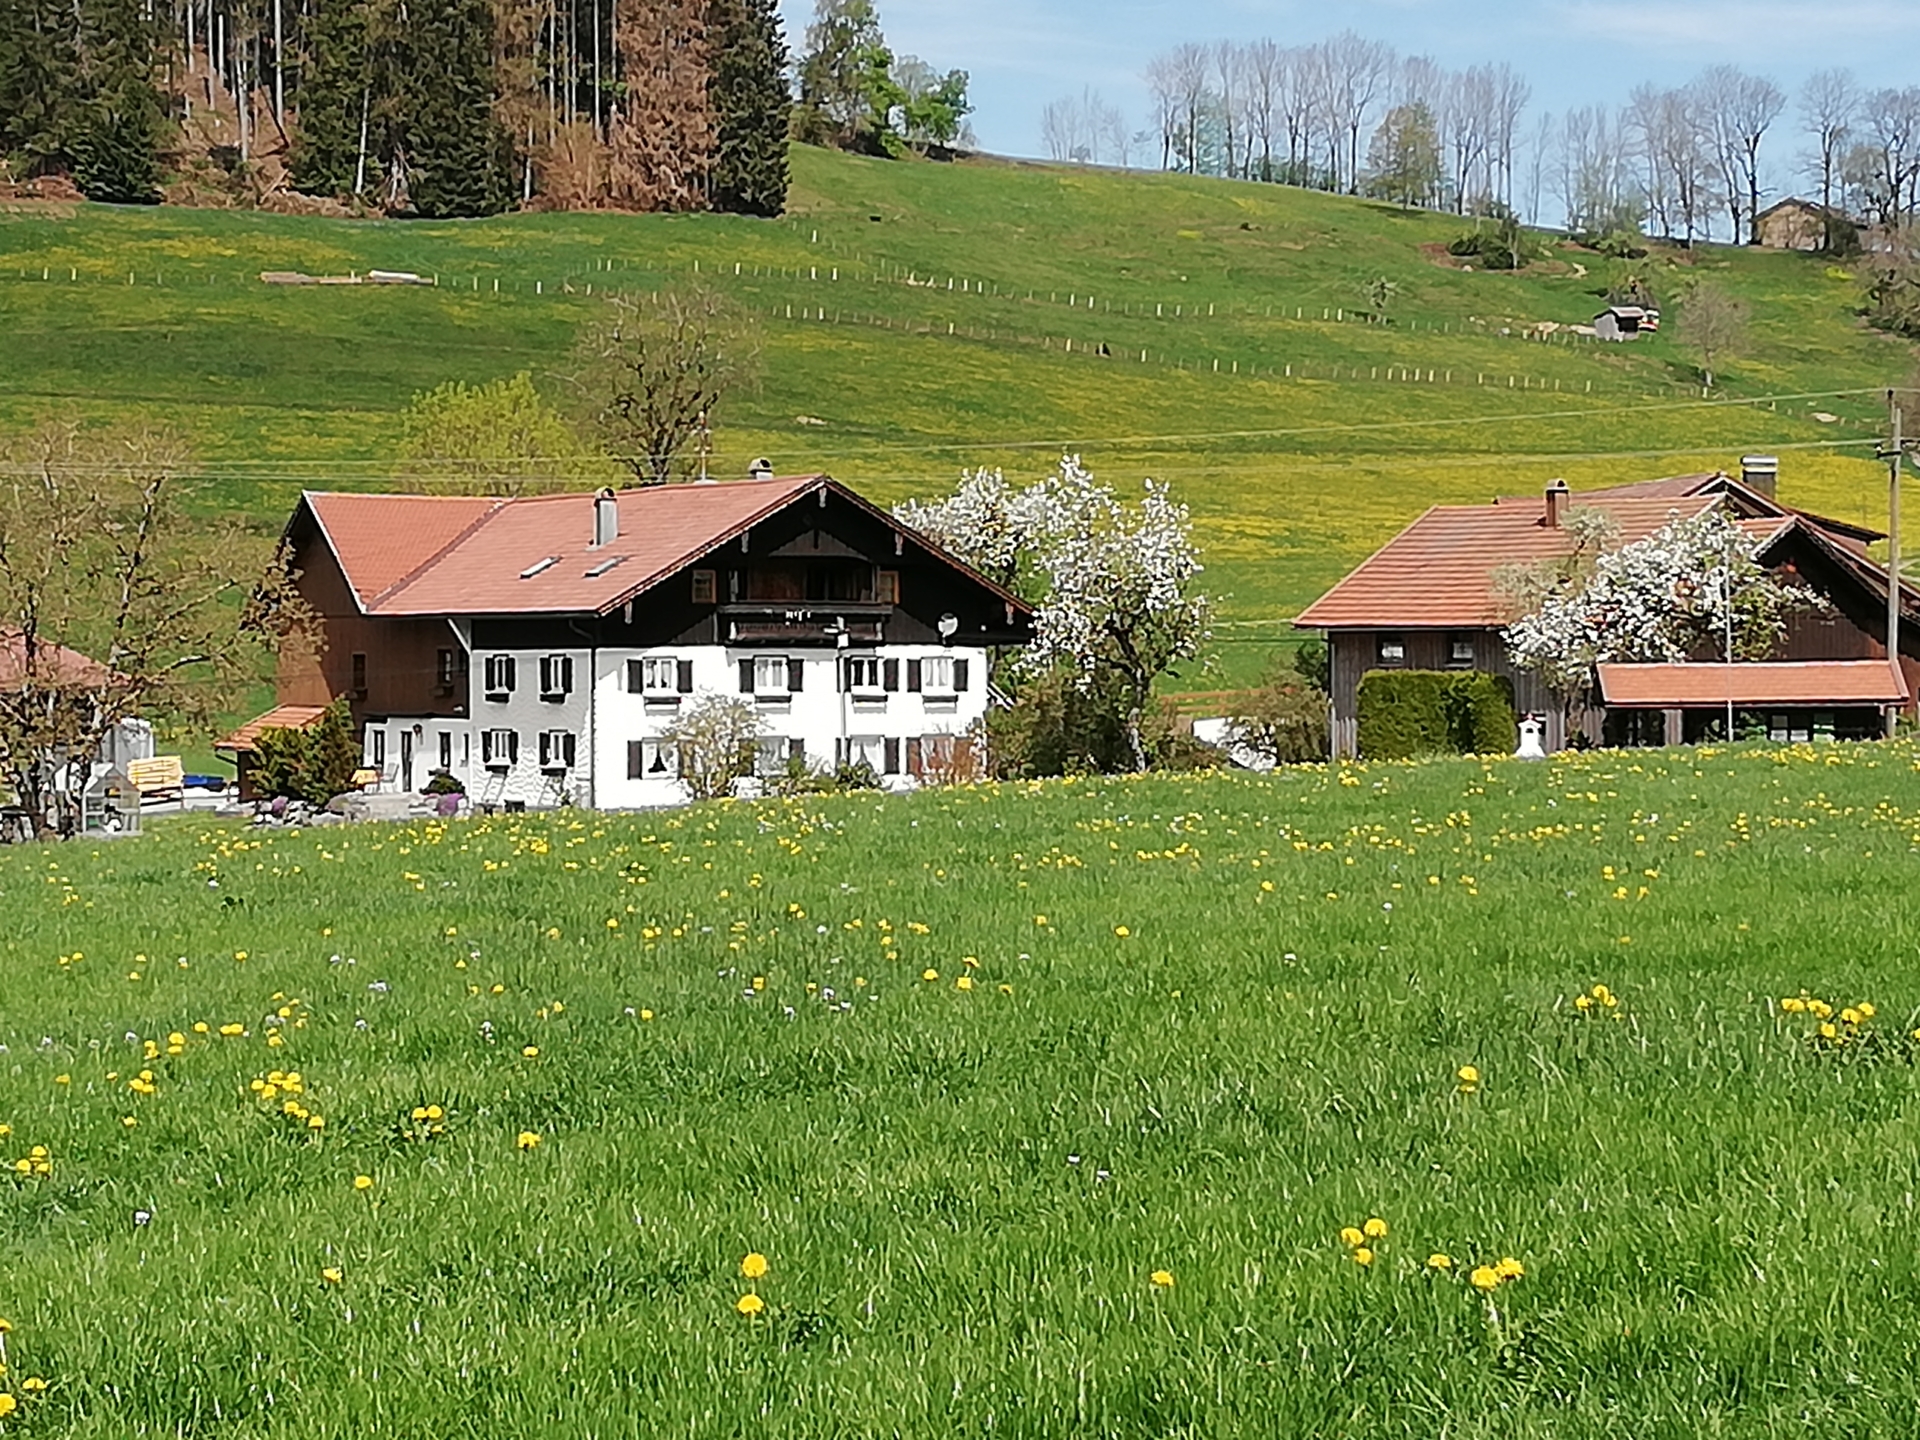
1228, 67
1713, 324
715, 742
1755, 103
1828, 106
1893, 137
1191, 65
1509, 101
1716, 93
1266, 83
120, 603
1163, 84
651, 371
1356, 73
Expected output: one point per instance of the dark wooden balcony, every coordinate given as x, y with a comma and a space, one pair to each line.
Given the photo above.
802, 622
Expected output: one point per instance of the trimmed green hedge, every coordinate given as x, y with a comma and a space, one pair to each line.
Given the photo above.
1405, 713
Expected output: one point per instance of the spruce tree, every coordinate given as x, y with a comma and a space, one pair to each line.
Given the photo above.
748, 88
115, 133
335, 92
38, 82
460, 160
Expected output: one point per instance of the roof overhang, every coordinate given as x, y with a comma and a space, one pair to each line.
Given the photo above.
1834, 684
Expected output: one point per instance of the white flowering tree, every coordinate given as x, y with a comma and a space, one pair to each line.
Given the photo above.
1113, 583
1664, 598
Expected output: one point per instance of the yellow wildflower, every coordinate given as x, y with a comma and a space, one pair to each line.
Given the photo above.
1509, 1268
1161, 1279
1376, 1228
1350, 1237
1363, 1256
363, 1182
333, 1275
1439, 1260
527, 1140
749, 1304
1484, 1277
754, 1266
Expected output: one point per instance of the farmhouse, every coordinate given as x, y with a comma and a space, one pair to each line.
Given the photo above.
1429, 600
1796, 224
537, 650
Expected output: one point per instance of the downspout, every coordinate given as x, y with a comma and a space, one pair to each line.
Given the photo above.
593, 701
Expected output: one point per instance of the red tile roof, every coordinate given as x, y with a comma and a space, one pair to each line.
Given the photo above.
1438, 572
533, 555
1790, 682
281, 717
53, 665
380, 539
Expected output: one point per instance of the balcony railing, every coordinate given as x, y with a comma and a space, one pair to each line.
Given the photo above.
789, 622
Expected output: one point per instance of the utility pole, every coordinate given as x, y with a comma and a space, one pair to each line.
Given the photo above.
1893, 453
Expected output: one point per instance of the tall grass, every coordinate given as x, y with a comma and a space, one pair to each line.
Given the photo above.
1208, 1023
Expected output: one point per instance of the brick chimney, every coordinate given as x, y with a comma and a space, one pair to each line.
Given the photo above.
606, 518
1558, 498
1760, 474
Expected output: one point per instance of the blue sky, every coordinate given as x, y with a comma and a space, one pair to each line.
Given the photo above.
1023, 53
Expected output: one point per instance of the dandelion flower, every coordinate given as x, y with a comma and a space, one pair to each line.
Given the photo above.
1350, 1236
527, 1140
750, 1304
532, 1052
34, 1385
1469, 1077
1851, 1016
1867, 1012
1122, 931
1162, 1279
965, 982
333, 1275
1509, 1269
1363, 1256
7, 1403
1484, 1277
1376, 1228
363, 1182
929, 974
1439, 1260
754, 1266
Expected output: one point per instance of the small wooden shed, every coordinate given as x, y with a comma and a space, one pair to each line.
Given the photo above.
1620, 322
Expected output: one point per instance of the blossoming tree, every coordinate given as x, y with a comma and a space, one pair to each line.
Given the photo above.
1113, 582
1663, 598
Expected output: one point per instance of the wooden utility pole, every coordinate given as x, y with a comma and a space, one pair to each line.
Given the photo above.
1893, 454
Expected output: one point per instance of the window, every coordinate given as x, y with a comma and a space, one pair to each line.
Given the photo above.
377, 747
652, 760
359, 683
863, 672
771, 675
704, 589
660, 675
770, 755
499, 749
556, 677
1460, 652
938, 674
443, 670
446, 750
556, 749
498, 674
886, 590
1393, 650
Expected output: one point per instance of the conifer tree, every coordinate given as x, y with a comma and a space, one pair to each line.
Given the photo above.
335, 93
748, 89
660, 142
459, 158
114, 140
37, 82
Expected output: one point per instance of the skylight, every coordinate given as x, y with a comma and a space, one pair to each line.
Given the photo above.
539, 565
604, 566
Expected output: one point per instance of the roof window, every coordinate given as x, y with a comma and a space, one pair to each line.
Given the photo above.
539, 565
604, 566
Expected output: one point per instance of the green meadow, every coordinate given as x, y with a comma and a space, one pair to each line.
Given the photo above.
918, 319
1046, 1107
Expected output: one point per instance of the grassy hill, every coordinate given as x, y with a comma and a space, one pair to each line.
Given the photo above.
923, 314
968, 1069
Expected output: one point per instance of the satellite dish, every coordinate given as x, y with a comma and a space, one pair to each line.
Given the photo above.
949, 626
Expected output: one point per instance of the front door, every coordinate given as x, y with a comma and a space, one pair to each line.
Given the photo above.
406, 760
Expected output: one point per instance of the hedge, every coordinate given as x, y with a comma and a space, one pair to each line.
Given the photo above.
1405, 713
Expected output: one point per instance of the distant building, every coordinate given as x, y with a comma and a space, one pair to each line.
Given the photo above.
1796, 224
1430, 600
1625, 322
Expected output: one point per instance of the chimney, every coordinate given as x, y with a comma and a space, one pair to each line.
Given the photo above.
1760, 474
1557, 501
761, 469
606, 518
